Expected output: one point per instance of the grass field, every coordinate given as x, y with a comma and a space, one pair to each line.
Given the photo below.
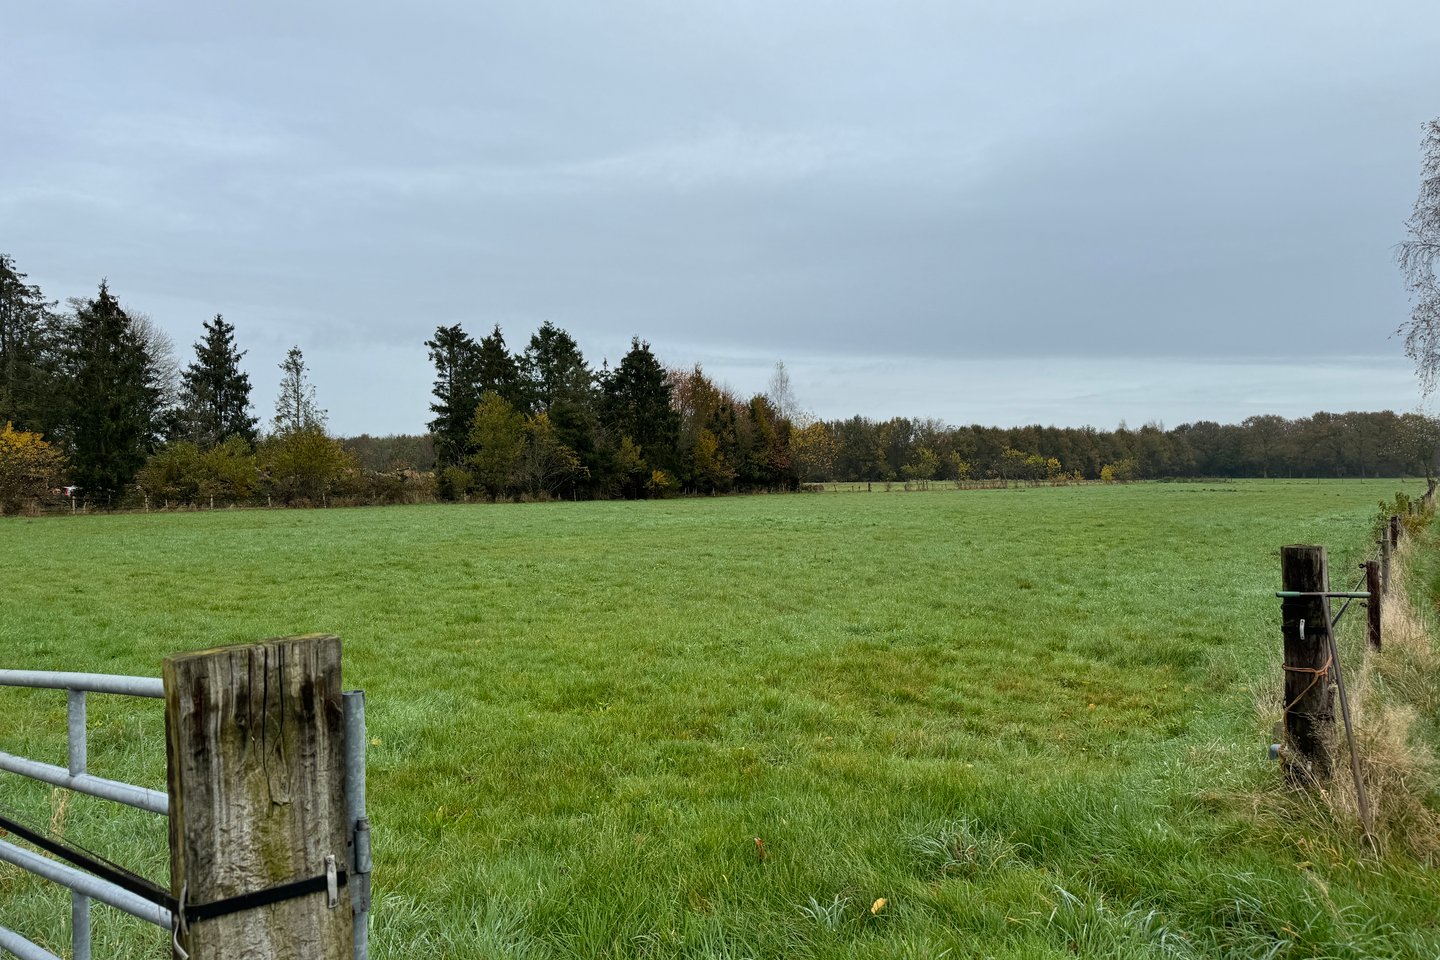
1024, 719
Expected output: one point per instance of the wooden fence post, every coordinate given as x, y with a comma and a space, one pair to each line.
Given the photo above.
1305, 626
1384, 542
255, 747
1394, 531
1374, 604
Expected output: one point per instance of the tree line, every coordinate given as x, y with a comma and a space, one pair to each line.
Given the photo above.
1322, 445
903, 450
93, 396
541, 422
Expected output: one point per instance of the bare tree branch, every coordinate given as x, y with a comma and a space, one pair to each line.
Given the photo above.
1417, 256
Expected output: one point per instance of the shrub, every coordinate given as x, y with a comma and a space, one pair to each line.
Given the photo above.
1414, 513
1121, 471
661, 484
454, 483
305, 464
29, 468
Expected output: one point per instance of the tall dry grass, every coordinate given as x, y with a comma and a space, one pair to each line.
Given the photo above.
1391, 691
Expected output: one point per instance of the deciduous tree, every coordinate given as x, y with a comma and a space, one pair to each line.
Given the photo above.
781, 394
924, 467
548, 464
814, 448
304, 464
29, 467
1418, 255
184, 473
497, 435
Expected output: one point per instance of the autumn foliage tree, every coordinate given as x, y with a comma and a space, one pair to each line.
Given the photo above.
29, 468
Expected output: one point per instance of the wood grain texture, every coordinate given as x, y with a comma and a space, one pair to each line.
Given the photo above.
1310, 719
1374, 605
255, 744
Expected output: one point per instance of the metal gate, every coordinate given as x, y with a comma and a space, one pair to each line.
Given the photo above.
84, 886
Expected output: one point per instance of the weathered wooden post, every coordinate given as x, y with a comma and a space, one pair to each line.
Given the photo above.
1374, 604
1384, 542
1394, 531
1305, 626
258, 826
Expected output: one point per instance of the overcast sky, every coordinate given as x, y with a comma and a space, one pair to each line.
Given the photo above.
1005, 212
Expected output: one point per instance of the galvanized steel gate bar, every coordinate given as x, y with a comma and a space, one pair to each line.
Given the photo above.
74, 776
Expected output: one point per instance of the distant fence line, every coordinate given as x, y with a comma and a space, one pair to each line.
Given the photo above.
1311, 663
915, 486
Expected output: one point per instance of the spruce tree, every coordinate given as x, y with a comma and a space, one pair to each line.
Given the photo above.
498, 370
556, 370
637, 405
29, 388
562, 386
215, 393
114, 396
457, 393
295, 407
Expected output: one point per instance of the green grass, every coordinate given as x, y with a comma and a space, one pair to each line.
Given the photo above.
1026, 719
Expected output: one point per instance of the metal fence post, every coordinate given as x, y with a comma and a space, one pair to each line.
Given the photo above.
355, 746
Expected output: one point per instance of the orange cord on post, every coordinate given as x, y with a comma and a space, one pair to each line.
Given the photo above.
1319, 672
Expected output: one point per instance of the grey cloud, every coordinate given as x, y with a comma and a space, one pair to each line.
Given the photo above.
1107, 183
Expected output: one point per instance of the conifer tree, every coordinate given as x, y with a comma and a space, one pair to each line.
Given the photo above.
295, 407
29, 387
556, 369
215, 393
498, 370
457, 393
637, 405
114, 396
562, 386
